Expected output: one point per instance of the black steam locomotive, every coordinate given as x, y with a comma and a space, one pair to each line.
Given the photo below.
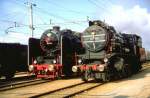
109, 54
13, 57
55, 55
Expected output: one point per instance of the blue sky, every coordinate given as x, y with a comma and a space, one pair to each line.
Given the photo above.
129, 16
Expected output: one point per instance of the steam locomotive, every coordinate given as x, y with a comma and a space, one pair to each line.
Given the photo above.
109, 54
55, 53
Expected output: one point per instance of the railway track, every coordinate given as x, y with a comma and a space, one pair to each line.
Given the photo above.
69, 91
15, 79
77, 89
145, 66
73, 90
15, 85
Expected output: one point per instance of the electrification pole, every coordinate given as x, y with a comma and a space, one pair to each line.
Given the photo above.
30, 4
87, 18
31, 17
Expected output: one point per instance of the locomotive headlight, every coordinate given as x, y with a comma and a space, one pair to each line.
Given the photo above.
100, 68
46, 70
74, 68
34, 62
105, 60
93, 33
49, 34
54, 61
31, 67
79, 61
51, 67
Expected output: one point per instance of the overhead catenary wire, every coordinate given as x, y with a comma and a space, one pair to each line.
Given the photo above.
9, 21
37, 15
38, 9
61, 7
104, 3
63, 23
57, 16
50, 13
98, 6
109, 1
17, 5
26, 25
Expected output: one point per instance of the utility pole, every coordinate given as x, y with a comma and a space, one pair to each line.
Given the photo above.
50, 22
87, 18
30, 4
15, 24
31, 17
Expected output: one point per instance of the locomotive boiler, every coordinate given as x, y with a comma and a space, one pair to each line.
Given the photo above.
58, 53
109, 54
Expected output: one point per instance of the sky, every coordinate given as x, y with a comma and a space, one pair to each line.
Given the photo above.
127, 16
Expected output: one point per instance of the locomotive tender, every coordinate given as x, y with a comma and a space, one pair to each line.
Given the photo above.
109, 54
13, 57
56, 54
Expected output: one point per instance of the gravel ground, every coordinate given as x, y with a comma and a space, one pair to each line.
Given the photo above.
38, 89
137, 86
18, 74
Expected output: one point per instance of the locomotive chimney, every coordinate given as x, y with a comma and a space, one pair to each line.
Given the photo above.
90, 23
56, 28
